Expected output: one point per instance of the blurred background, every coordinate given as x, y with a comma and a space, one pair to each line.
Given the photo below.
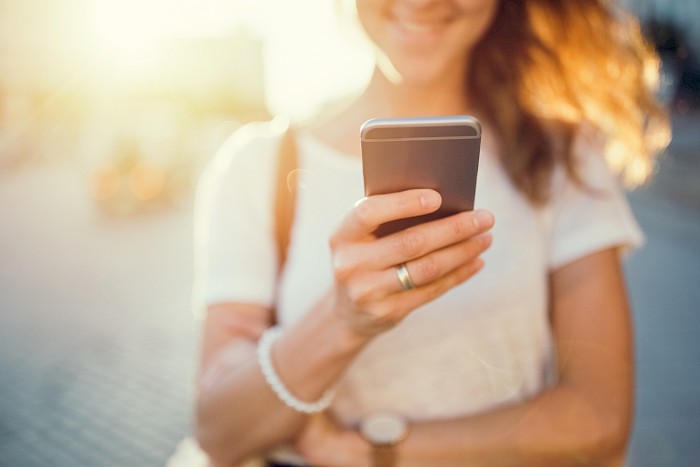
108, 111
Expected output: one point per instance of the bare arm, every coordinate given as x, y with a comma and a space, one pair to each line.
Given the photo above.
234, 401
237, 412
583, 420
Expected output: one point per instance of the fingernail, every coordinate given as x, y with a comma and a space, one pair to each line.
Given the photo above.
430, 199
482, 218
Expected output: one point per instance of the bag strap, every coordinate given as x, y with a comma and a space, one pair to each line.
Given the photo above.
285, 195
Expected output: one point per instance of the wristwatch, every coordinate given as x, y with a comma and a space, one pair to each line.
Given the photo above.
384, 431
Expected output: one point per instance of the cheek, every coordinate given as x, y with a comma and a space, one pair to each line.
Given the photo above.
475, 17
480, 15
368, 13
471, 28
470, 5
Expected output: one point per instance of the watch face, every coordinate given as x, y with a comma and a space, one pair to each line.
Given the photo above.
383, 428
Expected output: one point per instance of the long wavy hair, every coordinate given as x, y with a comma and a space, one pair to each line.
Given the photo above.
545, 69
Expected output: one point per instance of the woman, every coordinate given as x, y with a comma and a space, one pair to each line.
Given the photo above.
514, 347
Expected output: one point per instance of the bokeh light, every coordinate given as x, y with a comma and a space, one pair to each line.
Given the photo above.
302, 73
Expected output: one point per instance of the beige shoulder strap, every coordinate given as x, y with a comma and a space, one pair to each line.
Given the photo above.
285, 194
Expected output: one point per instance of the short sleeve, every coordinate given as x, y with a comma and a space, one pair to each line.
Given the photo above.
591, 217
235, 254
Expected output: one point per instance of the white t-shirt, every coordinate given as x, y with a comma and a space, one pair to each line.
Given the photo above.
484, 343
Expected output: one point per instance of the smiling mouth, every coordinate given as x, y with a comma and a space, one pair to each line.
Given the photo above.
420, 27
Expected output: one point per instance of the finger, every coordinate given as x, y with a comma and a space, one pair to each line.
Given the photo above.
432, 267
374, 285
406, 301
414, 242
395, 307
372, 211
423, 270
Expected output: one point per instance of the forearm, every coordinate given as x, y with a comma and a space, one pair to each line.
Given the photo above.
240, 405
230, 412
585, 419
240, 414
560, 427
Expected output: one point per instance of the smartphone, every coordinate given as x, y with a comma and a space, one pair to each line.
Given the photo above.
441, 153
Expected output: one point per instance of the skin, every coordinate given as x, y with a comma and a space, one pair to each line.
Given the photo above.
366, 300
584, 419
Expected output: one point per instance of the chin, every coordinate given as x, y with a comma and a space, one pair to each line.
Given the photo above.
425, 42
421, 72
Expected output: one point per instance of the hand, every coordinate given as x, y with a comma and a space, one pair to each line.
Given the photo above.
438, 255
324, 442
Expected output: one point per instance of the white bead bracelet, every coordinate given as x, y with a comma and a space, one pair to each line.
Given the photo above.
276, 384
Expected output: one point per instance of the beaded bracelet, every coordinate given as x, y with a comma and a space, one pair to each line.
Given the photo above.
276, 384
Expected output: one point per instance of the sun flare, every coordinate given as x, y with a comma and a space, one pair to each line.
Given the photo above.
301, 71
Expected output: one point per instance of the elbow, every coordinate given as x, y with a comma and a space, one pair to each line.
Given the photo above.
587, 432
230, 433
216, 453
210, 437
229, 437
603, 439
607, 443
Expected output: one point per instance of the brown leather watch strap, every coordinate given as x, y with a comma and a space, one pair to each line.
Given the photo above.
384, 455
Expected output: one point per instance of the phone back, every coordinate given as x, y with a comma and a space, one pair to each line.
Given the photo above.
441, 153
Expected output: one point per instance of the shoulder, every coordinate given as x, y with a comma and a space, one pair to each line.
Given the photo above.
582, 163
591, 160
249, 152
250, 142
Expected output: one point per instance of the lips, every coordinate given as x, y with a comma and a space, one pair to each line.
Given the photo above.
419, 25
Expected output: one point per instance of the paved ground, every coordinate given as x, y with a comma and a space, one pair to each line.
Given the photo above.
97, 343
96, 339
664, 283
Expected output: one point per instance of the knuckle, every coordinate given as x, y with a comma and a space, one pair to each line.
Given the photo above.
462, 226
342, 273
342, 270
428, 268
385, 313
377, 315
363, 214
403, 204
359, 295
334, 241
377, 311
410, 243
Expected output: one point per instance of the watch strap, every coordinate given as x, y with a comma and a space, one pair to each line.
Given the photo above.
384, 455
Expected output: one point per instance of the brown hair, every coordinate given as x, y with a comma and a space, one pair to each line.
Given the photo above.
567, 65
